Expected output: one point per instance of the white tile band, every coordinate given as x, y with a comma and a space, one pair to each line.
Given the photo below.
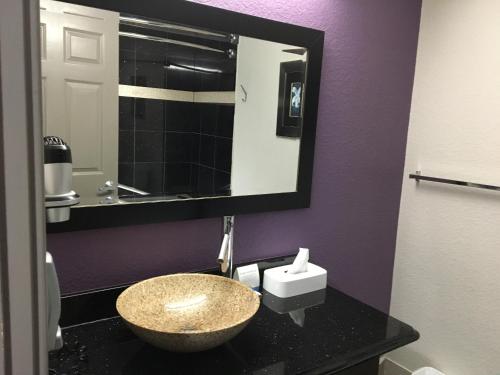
220, 97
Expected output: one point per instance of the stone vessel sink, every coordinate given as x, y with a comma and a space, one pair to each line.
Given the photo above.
187, 312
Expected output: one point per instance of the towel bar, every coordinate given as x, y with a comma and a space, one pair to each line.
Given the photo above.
419, 177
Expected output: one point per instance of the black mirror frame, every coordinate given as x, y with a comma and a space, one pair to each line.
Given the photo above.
184, 12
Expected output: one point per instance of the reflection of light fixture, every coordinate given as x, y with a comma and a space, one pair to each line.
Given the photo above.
190, 302
192, 68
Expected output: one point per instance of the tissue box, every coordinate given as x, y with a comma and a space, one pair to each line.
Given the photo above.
282, 284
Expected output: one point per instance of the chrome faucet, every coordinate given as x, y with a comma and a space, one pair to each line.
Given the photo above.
225, 258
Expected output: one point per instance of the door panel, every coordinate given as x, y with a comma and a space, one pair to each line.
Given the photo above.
84, 102
80, 75
82, 46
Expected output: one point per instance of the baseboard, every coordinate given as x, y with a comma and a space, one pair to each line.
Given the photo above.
388, 367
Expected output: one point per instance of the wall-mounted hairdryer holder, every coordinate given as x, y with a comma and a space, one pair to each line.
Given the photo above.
58, 206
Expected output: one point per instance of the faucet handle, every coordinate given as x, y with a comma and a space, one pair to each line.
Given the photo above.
223, 258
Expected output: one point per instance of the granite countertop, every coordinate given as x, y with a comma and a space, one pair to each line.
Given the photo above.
326, 332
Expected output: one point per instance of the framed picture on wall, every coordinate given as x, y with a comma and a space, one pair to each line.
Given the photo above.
291, 99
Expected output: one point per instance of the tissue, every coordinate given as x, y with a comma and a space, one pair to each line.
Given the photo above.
248, 275
298, 317
299, 264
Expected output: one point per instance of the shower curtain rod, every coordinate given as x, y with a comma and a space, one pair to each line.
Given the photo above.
170, 41
179, 29
417, 176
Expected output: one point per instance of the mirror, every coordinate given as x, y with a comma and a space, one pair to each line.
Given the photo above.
159, 111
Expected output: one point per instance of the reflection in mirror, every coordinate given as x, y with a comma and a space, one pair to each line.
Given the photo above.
157, 111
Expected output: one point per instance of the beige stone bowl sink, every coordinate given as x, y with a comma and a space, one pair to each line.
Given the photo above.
187, 312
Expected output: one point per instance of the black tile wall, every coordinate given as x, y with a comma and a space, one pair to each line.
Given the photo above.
228, 81
225, 120
126, 146
150, 74
223, 151
205, 181
215, 154
194, 177
181, 147
222, 183
150, 59
216, 71
127, 44
180, 65
126, 113
149, 114
127, 66
149, 146
181, 116
207, 151
170, 147
126, 173
149, 177
208, 118
189, 145
178, 178
178, 79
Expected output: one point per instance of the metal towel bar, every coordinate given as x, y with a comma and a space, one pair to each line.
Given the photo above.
419, 177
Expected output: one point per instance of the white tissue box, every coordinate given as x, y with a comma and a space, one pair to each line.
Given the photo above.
282, 284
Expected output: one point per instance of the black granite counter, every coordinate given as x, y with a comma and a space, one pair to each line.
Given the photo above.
326, 332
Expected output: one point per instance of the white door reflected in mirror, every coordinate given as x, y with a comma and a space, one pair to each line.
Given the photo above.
80, 89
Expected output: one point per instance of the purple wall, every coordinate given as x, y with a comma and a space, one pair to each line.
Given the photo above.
368, 68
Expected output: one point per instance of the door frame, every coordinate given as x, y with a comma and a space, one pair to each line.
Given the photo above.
22, 216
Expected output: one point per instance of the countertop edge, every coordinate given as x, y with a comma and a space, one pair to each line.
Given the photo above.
363, 356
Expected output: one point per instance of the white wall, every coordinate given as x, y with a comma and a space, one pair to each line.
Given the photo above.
447, 268
262, 162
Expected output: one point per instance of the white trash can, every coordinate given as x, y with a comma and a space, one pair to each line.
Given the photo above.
427, 371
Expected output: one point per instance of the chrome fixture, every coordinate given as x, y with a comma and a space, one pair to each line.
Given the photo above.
172, 28
110, 199
170, 41
419, 177
133, 189
234, 39
132, 24
109, 187
225, 258
58, 173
